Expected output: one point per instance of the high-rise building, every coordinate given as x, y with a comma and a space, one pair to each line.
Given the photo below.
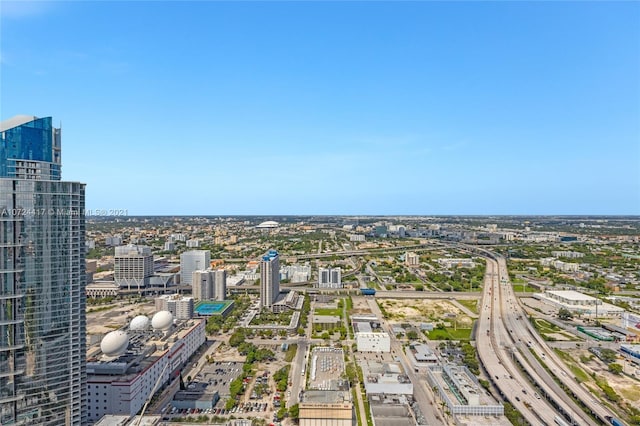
181, 307
42, 279
209, 285
269, 279
329, 278
193, 260
133, 266
220, 284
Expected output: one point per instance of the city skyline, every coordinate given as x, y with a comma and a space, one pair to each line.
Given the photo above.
345, 108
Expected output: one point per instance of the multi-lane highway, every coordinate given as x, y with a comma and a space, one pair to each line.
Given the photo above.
493, 343
529, 341
506, 340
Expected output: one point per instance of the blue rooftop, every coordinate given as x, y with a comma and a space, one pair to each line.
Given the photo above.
271, 254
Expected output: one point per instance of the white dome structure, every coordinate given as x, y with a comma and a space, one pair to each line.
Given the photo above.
162, 320
114, 343
141, 322
268, 224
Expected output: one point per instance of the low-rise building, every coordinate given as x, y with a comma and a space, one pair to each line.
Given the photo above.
386, 378
421, 356
122, 373
459, 263
373, 342
326, 322
100, 289
327, 400
197, 395
461, 392
631, 352
560, 265
579, 303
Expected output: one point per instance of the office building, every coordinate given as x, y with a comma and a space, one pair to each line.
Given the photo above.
209, 285
133, 266
193, 260
42, 279
269, 279
329, 278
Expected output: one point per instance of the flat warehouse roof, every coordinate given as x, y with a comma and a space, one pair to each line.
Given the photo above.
570, 294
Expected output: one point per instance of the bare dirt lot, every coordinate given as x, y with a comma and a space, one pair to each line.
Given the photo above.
425, 310
625, 386
104, 319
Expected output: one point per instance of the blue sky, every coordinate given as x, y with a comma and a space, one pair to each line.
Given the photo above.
335, 107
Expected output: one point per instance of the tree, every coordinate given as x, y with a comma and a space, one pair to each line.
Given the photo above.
237, 338
294, 411
351, 373
608, 355
236, 387
281, 412
615, 368
229, 404
412, 335
565, 314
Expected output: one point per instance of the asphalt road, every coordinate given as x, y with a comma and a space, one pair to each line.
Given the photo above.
551, 360
493, 343
424, 397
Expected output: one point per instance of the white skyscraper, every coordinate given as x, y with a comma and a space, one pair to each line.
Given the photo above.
193, 260
329, 278
269, 278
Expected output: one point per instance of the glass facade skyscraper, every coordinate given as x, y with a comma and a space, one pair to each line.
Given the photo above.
42, 280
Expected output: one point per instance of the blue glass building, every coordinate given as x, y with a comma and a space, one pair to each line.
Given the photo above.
42, 280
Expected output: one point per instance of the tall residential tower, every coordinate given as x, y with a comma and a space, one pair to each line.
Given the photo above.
269, 279
42, 280
209, 285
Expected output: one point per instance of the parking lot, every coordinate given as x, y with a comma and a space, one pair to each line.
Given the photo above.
219, 375
244, 408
